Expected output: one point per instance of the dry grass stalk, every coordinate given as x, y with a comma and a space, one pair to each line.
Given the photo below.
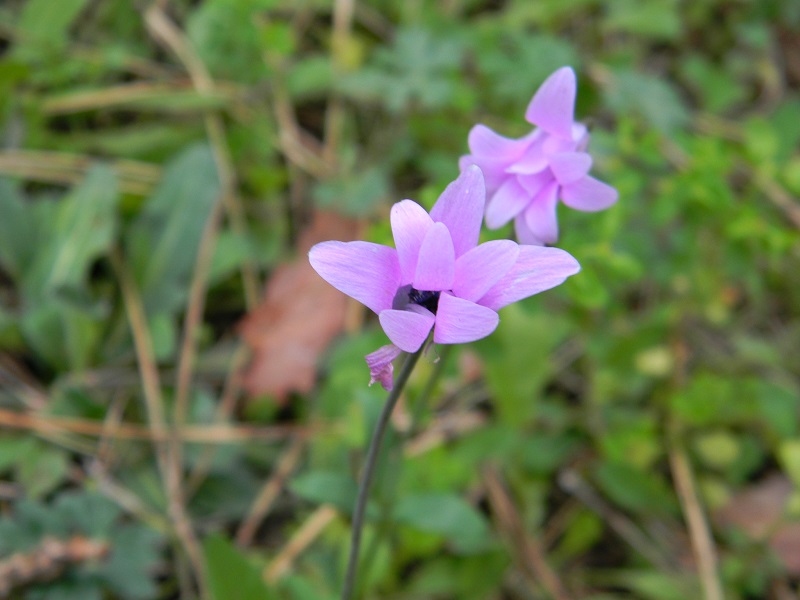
47, 561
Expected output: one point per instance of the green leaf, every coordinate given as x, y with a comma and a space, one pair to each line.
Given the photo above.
17, 230
73, 234
327, 487
130, 569
655, 19
517, 360
634, 489
418, 69
162, 243
446, 515
42, 470
231, 576
355, 194
12, 449
46, 23
650, 97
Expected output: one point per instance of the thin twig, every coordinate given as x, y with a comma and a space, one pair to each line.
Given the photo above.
369, 470
170, 36
266, 497
699, 531
529, 550
308, 532
197, 434
571, 482
170, 472
340, 38
225, 408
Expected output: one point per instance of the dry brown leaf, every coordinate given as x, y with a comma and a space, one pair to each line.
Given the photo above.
760, 511
298, 318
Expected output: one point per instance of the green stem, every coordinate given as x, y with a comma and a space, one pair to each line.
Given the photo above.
421, 403
369, 471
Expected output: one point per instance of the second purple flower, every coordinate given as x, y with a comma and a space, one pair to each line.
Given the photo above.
526, 177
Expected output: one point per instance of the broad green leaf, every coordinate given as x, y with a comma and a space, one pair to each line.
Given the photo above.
46, 23
226, 35
418, 69
654, 19
231, 576
42, 470
327, 487
354, 194
13, 449
74, 233
634, 489
130, 570
162, 242
17, 230
517, 360
446, 515
652, 98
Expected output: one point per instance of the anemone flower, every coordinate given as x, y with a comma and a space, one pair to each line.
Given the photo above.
526, 177
438, 277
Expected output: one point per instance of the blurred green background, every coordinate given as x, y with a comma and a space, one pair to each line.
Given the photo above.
631, 434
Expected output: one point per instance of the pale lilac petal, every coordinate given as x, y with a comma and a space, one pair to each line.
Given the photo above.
368, 272
555, 145
538, 268
380, 365
494, 174
535, 183
410, 223
483, 142
540, 216
553, 106
460, 208
480, 268
459, 321
507, 202
436, 265
534, 159
568, 167
589, 194
407, 329
524, 235
580, 136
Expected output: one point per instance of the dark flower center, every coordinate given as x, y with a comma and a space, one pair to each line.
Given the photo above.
429, 300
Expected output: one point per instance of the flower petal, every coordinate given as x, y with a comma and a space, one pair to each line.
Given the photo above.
507, 202
380, 365
459, 321
553, 106
540, 216
537, 269
407, 329
568, 167
436, 264
535, 158
483, 142
410, 223
589, 194
494, 171
460, 207
480, 268
524, 235
368, 272
534, 183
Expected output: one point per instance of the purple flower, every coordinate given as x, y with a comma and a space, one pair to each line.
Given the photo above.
526, 177
438, 277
